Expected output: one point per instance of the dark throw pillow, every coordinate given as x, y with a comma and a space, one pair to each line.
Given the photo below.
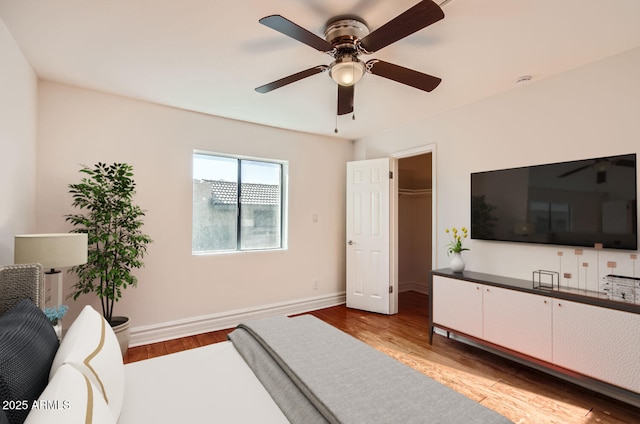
28, 344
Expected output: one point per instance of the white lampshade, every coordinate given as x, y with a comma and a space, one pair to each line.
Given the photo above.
347, 71
55, 250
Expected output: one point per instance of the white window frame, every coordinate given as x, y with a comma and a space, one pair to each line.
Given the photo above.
284, 203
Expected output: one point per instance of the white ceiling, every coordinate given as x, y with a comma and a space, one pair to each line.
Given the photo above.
208, 56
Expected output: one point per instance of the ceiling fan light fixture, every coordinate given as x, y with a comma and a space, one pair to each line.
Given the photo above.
347, 71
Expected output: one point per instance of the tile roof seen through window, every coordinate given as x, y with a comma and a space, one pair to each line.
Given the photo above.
225, 192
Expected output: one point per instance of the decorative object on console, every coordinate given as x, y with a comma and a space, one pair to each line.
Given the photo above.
53, 251
117, 245
621, 288
455, 248
546, 279
457, 263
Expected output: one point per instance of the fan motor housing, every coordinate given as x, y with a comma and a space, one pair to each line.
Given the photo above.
343, 33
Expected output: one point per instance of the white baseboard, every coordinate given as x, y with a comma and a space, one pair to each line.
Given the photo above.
229, 319
420, 287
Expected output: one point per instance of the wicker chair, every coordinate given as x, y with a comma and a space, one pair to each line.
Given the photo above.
21, 281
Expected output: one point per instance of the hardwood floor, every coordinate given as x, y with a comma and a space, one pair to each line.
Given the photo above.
521, 394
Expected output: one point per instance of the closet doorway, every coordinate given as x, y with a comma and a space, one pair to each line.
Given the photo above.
414, 198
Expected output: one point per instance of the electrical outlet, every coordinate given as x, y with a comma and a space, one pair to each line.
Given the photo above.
316, 283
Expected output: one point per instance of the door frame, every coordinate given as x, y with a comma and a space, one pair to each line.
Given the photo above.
393, 215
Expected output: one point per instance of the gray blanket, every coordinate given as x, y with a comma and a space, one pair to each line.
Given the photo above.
317, 373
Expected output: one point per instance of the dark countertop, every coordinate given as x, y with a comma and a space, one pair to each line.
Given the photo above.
575, 295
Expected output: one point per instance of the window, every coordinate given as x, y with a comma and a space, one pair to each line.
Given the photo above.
550, 217
237, 204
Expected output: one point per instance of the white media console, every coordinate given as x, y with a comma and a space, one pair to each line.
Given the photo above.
590, 341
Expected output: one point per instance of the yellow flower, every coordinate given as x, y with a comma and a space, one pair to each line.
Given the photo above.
455, 246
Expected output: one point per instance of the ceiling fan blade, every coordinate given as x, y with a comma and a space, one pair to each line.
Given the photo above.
566, 174
625, 162
414, 19
291, 78
288, 28
403, 75
345, 99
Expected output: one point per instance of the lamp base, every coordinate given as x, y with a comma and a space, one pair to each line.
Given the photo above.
54, 277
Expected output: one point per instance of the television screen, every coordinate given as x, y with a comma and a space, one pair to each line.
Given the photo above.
579, 203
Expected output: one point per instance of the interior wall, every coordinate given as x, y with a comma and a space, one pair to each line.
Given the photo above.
18, 97
79, 126
591, 111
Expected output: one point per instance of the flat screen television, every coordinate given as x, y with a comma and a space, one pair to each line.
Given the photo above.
589, 203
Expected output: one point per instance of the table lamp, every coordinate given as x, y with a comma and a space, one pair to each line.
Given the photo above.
52, 251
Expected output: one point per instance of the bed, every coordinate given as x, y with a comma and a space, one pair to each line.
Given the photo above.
273, 370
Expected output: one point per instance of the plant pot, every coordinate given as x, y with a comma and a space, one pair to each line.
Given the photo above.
120, 326
457, 264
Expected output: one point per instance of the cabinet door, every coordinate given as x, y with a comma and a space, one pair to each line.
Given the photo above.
457, 305
598, 342
518, 321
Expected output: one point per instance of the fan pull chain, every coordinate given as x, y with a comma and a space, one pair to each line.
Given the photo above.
353, 118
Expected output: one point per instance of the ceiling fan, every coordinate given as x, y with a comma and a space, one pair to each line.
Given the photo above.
347, 37
601, 166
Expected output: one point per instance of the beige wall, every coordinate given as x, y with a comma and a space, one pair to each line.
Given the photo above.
18, 89
588, 112
83, 127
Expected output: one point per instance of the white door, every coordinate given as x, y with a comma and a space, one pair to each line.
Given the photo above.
368, 278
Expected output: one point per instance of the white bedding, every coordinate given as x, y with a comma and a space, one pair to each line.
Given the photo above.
207, 384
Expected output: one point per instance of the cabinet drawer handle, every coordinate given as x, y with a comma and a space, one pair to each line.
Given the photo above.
545, 302
559, 305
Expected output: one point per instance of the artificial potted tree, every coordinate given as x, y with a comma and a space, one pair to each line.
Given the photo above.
116, 243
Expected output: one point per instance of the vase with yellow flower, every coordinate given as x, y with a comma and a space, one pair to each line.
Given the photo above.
455, 248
